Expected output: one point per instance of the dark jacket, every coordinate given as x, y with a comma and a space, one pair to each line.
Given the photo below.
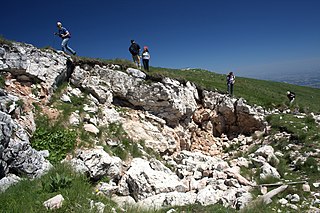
134, 49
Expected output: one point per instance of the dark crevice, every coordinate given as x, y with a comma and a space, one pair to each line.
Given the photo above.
118, 101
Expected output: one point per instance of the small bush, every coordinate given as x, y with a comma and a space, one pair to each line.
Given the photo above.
57, 182
268, 179
56, 139
310, 166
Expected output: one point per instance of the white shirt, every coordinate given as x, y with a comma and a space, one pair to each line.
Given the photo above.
145, 55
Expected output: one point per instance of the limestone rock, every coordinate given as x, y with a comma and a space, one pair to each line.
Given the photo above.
54, 202
91, 128
144, 179
7, 181
267, 170
168, 199
97, 163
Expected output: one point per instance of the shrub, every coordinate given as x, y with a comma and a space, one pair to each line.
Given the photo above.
57, 182
56, 139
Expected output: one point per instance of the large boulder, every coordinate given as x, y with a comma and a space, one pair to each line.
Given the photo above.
144, 179
96, 163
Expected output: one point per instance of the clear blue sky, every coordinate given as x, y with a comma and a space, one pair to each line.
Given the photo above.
250, 37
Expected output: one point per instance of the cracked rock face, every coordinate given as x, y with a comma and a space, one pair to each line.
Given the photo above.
28, 63
230, 116
17, 156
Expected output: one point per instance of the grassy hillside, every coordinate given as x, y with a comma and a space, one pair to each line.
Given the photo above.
269, 94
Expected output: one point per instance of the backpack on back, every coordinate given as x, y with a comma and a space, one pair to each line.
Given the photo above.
133, 50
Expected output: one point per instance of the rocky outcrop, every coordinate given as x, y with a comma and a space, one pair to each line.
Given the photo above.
169, 99
223, 114
30, 64
16, 154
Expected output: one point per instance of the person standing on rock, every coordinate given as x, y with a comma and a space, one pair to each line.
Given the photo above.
230, 82
65, 35
145, 58
134, 49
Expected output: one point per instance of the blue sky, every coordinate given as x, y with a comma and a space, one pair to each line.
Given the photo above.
253, 38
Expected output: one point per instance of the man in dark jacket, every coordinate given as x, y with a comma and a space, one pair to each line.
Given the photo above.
134, 49
291, 96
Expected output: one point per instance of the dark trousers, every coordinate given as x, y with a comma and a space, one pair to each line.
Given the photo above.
230, 89
145, 64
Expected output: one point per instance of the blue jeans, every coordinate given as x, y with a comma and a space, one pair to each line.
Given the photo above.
65, 47
230, 89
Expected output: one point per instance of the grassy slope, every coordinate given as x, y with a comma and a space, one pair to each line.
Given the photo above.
260, 92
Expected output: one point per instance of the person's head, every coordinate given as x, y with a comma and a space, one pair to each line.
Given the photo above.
288, 92
59, 25
230, 73
145, 48
132, 41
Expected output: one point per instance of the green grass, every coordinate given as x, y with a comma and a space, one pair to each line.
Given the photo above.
29, 195
5, 41
308, 138
124, 63
194, 208
126, 147
260, 92
53, 137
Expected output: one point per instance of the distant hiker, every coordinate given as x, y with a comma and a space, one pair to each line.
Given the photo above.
145, 58
230, 82
134, 49
65, 35
291, 96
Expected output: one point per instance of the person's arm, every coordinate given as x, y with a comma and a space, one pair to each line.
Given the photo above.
64, 33
138, 47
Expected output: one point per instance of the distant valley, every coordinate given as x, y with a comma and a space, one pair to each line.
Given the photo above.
306, 78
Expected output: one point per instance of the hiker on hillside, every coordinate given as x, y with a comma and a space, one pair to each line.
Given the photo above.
291, 96
145, 58
230, 82
65, 35
134, 49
